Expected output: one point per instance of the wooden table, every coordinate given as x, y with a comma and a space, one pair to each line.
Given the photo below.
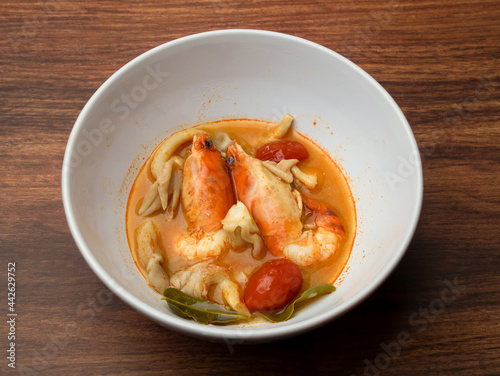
440, 62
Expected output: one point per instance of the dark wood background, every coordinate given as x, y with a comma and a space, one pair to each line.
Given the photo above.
440, 62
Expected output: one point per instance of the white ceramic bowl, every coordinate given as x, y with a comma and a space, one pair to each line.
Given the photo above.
243, 74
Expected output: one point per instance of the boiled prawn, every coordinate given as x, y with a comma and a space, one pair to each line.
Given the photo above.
207, 195
277, 211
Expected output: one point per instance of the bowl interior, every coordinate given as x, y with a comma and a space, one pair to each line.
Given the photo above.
243, 74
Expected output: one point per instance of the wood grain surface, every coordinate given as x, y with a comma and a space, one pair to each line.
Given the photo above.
440, 62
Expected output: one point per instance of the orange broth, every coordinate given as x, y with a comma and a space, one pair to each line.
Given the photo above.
332, 189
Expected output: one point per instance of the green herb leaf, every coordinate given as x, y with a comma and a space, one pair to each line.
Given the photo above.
201, 311
290, 308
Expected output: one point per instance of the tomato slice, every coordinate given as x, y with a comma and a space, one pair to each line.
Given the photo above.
273, 286
279, 150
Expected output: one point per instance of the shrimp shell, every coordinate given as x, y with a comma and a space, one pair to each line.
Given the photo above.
207, 193
277, 212
269, 200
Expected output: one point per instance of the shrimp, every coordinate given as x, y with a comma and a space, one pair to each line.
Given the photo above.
198, 245
277, 210
207, 195
320, 242
197, 280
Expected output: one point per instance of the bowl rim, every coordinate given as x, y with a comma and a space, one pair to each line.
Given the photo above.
212, 331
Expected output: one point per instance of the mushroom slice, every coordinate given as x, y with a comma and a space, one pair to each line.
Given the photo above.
241, 227
163, 188
151, 201
150, 255
309, 180
282, 128
282, 169
164, 179
175, 193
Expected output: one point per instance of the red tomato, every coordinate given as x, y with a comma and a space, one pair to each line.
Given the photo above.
273, 285
279, 150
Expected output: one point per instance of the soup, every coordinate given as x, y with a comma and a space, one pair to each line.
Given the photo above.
219, 217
